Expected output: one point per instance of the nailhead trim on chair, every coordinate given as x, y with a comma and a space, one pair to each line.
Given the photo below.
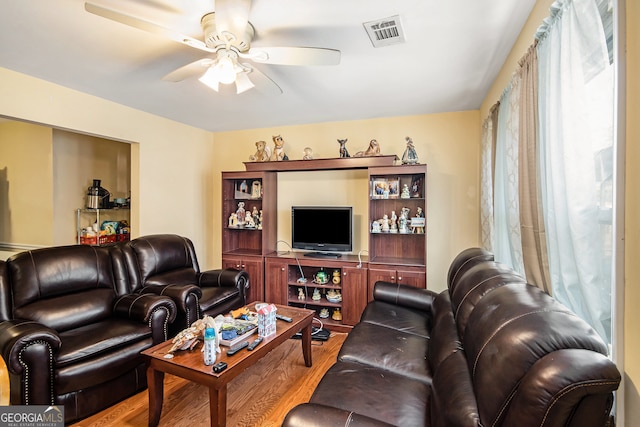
165, 327
26, 370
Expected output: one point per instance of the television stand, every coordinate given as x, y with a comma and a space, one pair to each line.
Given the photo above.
323, 255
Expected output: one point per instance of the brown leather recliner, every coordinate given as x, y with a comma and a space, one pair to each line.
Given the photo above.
72, 332
166, 264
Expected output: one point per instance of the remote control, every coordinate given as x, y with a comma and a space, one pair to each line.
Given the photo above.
254, 344
285, 318
237, 347
219, 367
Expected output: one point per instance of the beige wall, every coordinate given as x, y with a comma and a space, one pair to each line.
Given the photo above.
26, 194
628, 331
171, 166
447, 143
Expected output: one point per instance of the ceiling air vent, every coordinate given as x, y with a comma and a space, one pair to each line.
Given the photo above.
385, 32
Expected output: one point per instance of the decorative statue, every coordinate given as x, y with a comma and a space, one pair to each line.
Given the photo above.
262, 152
278, 149
385, 223
373, 150
410, 157
343, 148
307, 154
240, 213
405, 192
404, 220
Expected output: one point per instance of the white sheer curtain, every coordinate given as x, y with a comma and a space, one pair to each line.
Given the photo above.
576, 118
486, 185
508, 241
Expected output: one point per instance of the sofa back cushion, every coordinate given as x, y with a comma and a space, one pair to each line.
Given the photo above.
62, 287
463, 262
512, 328
161, 259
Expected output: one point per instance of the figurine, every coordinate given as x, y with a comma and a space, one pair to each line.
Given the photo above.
240, 213
373, 150
410, 157
394, 222
262, 152
385, 223
334, 296
337, 315
375, 227
301, 295
256, 217
278, 149
307, 154
405, 192
324, 313
404, 219
343, 148
249, 222
316, 295
336, 277
233, 220
260, 220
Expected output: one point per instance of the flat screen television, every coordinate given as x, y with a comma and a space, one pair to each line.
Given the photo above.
324, 230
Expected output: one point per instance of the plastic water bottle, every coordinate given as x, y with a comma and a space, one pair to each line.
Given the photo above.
209, 346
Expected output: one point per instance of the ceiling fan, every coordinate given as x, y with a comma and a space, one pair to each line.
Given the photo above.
227, 36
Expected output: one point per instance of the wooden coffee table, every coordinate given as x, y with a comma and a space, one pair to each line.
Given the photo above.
188, 364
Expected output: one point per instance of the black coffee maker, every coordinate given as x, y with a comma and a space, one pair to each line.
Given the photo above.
97, 197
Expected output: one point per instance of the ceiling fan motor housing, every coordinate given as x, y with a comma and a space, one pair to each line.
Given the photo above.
215, 39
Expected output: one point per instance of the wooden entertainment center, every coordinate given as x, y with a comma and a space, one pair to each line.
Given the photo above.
395, 255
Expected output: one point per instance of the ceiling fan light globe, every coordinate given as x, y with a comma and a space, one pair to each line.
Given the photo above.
225, 70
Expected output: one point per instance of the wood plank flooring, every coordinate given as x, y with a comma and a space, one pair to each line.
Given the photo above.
259, 397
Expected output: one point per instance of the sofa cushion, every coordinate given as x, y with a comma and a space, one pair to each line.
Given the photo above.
405, 319
216, 296
389, 350
444, 339
91, 340
510, 330
398, 400
70, 311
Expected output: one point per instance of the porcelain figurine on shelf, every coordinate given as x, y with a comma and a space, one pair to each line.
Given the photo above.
301, 295
316, 295
410, 157
405, 194
278, 149
240, 213
373, 150
343, 149
336, 277
307, 154
337, 315
375, 227
324, 313
262, 152
385, 223
404, 221
393, 228
233, 220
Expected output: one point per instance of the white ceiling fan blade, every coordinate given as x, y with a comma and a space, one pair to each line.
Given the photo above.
145, 26
232, 16
263, 83
190, 70
294, 55
243, 83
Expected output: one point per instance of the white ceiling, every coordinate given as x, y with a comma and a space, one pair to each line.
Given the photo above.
452, 53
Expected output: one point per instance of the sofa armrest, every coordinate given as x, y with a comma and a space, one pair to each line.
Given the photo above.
404, 295
17, 335
158, 311
226, 277
316, 415
28, 349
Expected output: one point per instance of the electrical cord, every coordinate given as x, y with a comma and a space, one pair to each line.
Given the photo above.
360, 257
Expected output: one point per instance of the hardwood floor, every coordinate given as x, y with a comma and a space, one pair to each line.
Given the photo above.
259, 397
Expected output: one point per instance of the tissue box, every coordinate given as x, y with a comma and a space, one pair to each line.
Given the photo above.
267, 321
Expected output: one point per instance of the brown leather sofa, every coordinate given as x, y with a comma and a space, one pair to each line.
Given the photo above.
491, 350
166, 264
72, 331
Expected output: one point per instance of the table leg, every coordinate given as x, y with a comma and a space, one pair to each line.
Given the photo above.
306, 345
218, 406
155, 384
